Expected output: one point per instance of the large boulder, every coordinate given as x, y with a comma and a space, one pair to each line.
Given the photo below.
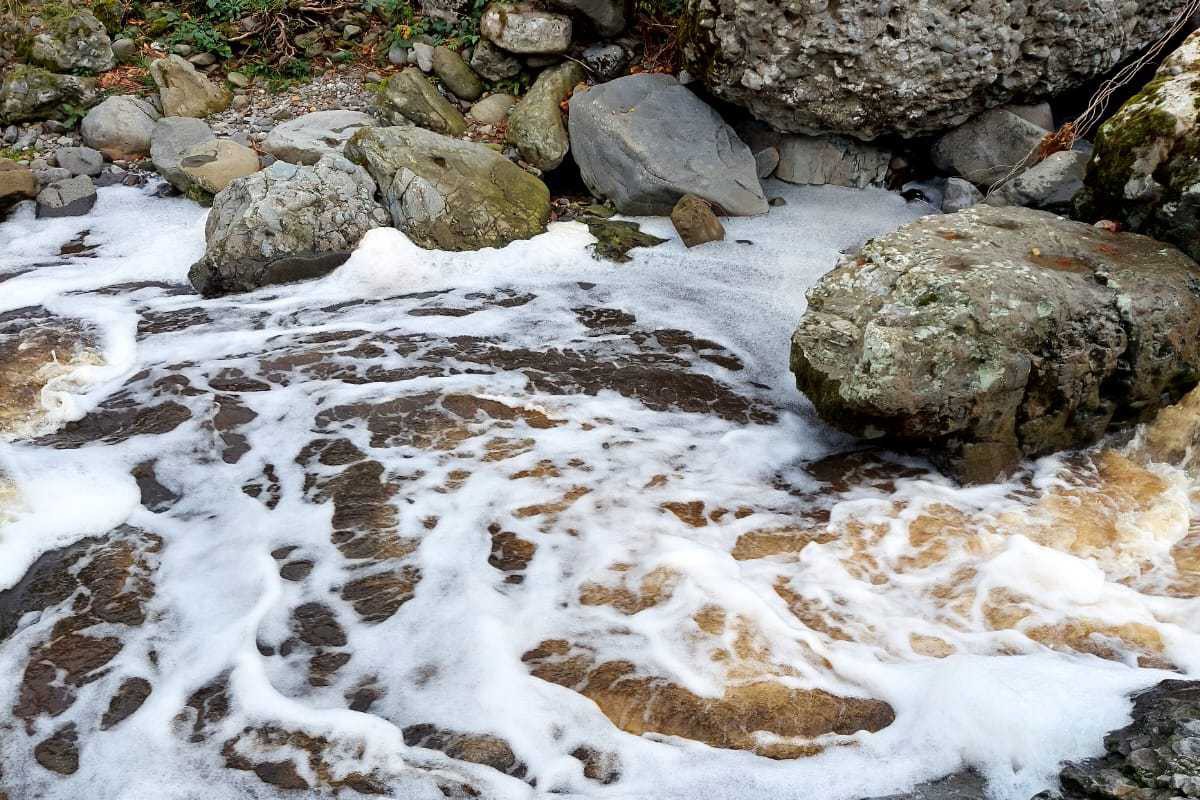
535, 125
644, 141
1146, 167
996, 334
120, 127
171, 138
408, 98
30, 93
73, 43
448, 194
184, 91
212, 165
308, 138
865, 68
286, 223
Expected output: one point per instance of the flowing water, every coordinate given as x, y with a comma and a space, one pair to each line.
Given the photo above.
522, 522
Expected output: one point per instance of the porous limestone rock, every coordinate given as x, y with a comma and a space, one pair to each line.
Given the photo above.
286, 223
997, 334
864, 68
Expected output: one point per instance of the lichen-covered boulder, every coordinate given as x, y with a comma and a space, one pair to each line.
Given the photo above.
996, 334
644, 141
76, 42
1145, 171
535, 125
865, 68
448, 194
184, 91
286, 223
31, 93
408, 98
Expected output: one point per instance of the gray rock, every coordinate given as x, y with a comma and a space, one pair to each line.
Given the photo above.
77, 43
47, 175
863, 69
1039, 114
202, 60
125, 50
72, 197
764, 145
1051, 184
120, 127
456, 75
30, 93
238, 80
308, 138
604, 62
988, 147
644, 141
424, 53
408, 98
351, 31
184, 91
525, 30
449, 10
211, 166
80, 161
1146, 168
493, 63
959, 786
607, 17
1065, 326
832, 161
535, 125
450, 194
1153, 758
492, 109
959, 195
398, 55
171, 138
286, 223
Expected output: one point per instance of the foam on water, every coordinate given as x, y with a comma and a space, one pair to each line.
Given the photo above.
465, 490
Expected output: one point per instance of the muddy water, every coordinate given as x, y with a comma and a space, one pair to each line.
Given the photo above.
525, 523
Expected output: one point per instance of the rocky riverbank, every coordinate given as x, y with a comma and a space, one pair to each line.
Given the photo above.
401, 399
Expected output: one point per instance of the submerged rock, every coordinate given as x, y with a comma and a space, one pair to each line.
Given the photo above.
408, 98
309, 137
1146, 168
997, 334
184, 91
535, 125
30, 93
449, 194
905, 68
286, 223
120, 127
644, 141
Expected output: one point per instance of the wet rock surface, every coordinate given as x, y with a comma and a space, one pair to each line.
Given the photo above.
996, 334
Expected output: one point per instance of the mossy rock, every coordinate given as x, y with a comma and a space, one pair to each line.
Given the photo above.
30, 93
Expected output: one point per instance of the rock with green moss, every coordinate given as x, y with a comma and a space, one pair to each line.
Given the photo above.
997, 334
408, 98
448, 194
31, 93
72, 41
1146, 167
459, 78
535, 125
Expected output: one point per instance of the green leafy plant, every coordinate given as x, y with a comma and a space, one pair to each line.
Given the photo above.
201, 35
279, 76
